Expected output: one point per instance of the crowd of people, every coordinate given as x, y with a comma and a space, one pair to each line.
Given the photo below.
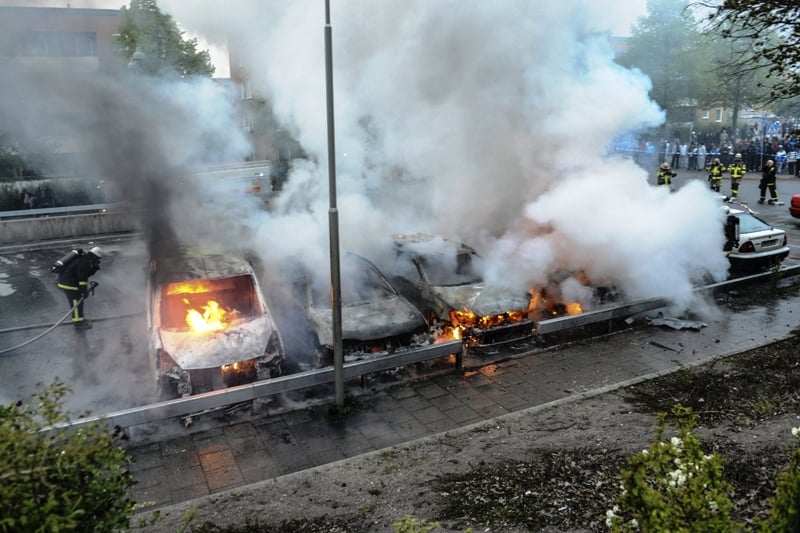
40, 198
697, 155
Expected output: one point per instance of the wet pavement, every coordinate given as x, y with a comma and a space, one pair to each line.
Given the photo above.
173, 463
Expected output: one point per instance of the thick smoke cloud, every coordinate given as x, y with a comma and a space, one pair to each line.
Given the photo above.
144, 136
485, 122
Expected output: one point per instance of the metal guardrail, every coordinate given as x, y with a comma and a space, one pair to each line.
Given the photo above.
61, 211
302, 380
252, 391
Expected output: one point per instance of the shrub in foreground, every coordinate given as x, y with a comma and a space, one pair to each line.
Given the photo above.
60, 479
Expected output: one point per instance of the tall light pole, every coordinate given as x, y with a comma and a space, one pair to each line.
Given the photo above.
333, 221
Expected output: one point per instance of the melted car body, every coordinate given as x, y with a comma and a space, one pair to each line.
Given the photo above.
443, 278
209, 326
375, 317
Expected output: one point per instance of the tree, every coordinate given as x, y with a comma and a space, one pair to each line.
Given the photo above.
663, 45
773, 29
60, 479
737, 78
152, 41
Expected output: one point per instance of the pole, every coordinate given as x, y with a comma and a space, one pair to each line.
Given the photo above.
333, 221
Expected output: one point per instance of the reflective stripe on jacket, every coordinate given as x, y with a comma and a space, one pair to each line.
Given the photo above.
737, 171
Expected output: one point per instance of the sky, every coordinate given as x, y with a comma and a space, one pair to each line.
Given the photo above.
488, 125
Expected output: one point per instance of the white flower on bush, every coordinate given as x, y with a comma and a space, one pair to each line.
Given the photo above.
795, 432
676, 441
677, 478
611, 514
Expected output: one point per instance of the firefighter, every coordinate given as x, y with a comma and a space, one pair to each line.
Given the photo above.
768, 181
715, 172
74, 281
665, 175
737, 170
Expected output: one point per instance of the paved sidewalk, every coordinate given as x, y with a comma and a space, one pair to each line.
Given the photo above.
179, 464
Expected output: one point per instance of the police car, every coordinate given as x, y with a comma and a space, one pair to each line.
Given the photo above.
750, 242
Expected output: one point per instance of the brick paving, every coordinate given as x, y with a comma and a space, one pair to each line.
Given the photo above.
173, 464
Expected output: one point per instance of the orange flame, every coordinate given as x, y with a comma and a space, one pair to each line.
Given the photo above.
212, 318
574, 308
189, 287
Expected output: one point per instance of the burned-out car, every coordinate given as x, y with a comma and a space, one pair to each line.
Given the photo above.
444, 279
208, 323
375, 317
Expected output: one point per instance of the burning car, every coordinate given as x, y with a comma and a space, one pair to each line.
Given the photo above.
375, 317
750, 242
443, 279
209, 326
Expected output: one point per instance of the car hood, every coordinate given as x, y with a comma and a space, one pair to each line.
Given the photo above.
482, 300
244, 339
368, 320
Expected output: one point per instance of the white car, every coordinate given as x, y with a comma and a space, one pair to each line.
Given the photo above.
208, 323
750, 242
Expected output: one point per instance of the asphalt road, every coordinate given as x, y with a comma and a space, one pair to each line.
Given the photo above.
106, 366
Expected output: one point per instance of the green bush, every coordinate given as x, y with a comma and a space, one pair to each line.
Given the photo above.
785, 504
410, 524
673, 486
60, 479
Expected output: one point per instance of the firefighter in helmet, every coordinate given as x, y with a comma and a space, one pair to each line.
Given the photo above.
737, 170
768, 179
665, 174
715, 171
73, 279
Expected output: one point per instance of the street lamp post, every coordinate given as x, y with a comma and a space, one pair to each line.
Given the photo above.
333, 222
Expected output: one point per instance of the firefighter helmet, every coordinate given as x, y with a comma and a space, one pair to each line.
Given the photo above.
97, 252
769, 162
716, 161
738, 156
664, 166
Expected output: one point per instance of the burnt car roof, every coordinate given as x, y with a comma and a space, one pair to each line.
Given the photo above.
421, 242
191, 265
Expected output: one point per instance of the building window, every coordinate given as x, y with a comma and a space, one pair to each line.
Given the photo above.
707, 114
719, 114
58, 44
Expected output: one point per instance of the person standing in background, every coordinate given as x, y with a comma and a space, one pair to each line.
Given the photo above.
701, 157
715, 171
737, 170
768, 178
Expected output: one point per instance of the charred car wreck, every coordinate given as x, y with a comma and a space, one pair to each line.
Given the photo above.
209, 326
375, 318
443, 279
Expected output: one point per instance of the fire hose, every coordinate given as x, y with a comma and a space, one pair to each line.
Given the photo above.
92, 286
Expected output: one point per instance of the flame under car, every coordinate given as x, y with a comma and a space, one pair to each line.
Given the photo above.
209, 326
443, 279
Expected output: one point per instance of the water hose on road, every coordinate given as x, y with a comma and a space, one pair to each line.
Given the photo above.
45, 332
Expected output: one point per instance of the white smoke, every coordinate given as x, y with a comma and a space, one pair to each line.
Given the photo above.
486, 122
